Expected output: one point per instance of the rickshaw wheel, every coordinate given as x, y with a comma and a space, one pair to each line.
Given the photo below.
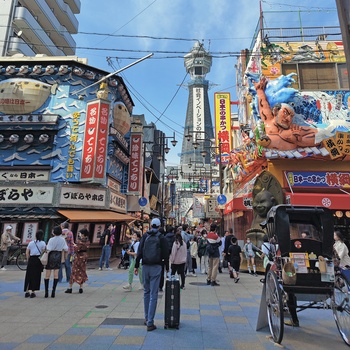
274, 305
341, 307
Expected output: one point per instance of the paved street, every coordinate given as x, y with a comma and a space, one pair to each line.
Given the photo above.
107, 317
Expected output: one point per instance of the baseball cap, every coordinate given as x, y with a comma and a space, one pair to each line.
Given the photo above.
8, 227
155, 222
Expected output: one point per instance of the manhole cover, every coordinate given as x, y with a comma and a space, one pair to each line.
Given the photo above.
101, 306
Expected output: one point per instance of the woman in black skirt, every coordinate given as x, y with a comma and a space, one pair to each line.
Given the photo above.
35, 267
56, 246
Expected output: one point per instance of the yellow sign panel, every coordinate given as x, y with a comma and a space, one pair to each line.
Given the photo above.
223, 139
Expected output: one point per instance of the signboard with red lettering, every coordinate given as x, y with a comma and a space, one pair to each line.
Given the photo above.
95, 142
135, 164
222, 108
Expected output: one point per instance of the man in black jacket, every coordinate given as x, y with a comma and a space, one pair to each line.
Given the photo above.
153, 251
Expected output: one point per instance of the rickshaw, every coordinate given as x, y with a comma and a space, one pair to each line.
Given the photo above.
303, 269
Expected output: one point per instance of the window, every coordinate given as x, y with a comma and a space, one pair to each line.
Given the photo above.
318, 76
198, 71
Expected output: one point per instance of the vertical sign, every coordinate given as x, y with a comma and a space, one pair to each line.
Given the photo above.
135, 164
222, 108
95, 141
102, 135
198, 109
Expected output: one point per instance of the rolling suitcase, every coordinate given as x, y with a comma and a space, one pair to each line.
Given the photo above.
172, 303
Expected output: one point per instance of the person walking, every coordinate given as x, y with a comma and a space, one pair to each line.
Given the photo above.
106, 248
67, 234
341, 249
79, 274
194, 254
153, 251
234, 257
132, 252
214, 243
7, 238
249, 251
186, 237
178, 258
56, 247
202, 253
35, 267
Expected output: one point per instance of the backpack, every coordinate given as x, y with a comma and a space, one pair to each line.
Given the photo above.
271, 251
210, 249
151, 252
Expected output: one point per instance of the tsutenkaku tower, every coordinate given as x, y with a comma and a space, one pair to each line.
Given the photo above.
198, 117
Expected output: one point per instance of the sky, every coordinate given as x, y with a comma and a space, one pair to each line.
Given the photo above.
115, 33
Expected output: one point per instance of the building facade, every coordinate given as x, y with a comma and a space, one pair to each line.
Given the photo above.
306, 160
64, 155
31, 27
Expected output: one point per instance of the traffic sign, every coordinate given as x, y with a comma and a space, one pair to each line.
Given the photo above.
222, 199
143, 201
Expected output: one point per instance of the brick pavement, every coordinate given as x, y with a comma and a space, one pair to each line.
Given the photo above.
107, 317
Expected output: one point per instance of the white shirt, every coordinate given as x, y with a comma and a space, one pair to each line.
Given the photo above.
36, 247
57, 243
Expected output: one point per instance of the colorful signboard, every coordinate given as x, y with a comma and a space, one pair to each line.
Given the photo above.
222, 108
135, 164
95, 142
329, 179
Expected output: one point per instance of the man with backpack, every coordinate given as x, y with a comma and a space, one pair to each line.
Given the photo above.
153, 250
214, 242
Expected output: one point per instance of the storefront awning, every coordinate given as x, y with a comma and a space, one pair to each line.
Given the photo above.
94, 216
328, 200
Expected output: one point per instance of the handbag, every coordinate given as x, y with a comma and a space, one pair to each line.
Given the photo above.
44, 257
225, 264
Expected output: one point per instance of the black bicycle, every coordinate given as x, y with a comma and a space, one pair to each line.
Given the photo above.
17, 254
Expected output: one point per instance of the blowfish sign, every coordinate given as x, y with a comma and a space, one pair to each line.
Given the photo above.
93, 167
222, 106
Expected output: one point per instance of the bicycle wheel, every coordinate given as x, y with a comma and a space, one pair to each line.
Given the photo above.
274, 305
21, 261
341, 307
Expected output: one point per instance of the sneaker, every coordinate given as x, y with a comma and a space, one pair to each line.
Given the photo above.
208, 282
141, 287
182, 287
27, 295
291, 323
151, 328
33, 295
127, 288
193, 274
100, 269
109, 269
3, 269
255, 274
215, 284
236, 279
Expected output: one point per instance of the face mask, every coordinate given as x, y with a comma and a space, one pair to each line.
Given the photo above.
133, 240
205, 236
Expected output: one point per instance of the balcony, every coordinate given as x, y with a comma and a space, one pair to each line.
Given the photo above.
74, 5
64, 15
47, 21
18, 45
32, 33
